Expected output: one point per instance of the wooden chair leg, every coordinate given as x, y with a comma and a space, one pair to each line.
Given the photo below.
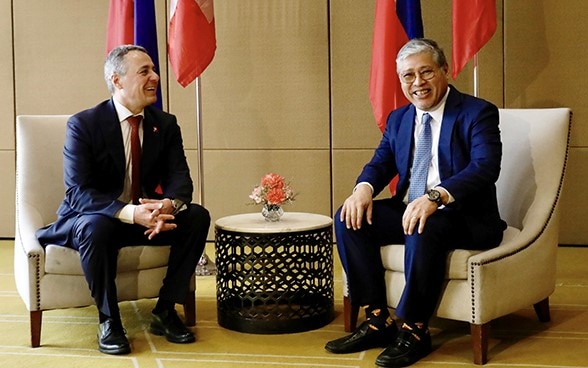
480, 342
350, 313
190, 309
542, 310
36, 319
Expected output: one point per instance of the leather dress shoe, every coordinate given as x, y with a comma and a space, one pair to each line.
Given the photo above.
363, 338
112, 339
168, 324
406, 350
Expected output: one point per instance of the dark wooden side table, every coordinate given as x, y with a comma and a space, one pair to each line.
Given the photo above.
274, 277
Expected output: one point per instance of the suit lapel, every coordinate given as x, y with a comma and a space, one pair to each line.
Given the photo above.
450, 114
404, 144
150, 141
113, 136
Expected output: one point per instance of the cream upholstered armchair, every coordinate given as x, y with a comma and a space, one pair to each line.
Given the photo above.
484, 285
52, 277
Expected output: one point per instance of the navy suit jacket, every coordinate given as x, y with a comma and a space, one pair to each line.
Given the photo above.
469, 153
94, 166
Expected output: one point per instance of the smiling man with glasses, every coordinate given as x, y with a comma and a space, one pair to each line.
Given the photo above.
445, 148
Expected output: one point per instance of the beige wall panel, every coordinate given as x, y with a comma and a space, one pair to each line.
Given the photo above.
7, 196
182, 103
354, 125
347, 165
543, 57
192, 157
6, 79
438, 26
230, 176
59, 54
573, 229
545, 52
268, 85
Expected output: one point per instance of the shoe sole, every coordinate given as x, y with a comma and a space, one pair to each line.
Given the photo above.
120, 351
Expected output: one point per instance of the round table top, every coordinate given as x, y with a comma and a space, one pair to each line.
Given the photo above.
290, 222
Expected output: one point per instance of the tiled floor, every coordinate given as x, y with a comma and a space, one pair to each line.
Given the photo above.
69, 336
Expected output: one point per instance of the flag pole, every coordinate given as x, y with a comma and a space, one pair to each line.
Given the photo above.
476, 84
205, 266
200, 165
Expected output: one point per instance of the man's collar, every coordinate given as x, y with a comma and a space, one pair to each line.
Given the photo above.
122, 112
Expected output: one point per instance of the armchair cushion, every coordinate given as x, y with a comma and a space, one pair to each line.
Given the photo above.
66, 261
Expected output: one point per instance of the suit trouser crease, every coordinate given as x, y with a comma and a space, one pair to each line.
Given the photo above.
98, 239
424, 260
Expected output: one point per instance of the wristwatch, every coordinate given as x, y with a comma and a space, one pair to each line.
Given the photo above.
177, 205
434, 196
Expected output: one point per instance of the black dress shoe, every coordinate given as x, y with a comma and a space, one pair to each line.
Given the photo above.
363, 338
406, 350
112, 339
168, 324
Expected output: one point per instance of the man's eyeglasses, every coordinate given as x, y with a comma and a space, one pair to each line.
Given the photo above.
410, 77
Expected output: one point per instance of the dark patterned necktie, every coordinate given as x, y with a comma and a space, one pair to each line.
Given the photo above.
135, 158
421, 161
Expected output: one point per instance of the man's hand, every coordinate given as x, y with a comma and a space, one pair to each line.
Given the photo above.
417, 212
356, 206
155, 216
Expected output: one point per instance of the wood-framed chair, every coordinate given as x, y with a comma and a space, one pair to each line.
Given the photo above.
484, 285
52, 277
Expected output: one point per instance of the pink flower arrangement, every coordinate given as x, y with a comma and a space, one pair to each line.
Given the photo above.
272, 190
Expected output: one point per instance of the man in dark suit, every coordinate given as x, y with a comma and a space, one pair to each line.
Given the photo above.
102, 211
445, 199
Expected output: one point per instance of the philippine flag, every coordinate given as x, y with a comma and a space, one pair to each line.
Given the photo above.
133, 22
395, 23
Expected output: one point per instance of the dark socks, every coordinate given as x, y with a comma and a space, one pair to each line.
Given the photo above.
378, 317
163, 305
417, 329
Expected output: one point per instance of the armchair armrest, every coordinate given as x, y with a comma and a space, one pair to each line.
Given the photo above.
29, 255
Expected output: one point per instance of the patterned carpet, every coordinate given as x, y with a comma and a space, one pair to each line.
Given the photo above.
69, 336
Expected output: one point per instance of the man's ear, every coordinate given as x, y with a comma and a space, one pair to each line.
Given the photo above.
116, 80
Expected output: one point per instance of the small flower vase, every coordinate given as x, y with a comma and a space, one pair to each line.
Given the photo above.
272, 212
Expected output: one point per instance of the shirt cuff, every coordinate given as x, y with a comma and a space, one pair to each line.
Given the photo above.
450, 198
126, 214
363, 183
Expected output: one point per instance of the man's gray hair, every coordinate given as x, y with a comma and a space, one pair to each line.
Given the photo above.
114, 63
421, 45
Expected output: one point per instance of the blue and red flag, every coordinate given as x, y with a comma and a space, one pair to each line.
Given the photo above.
395, 23
133, 22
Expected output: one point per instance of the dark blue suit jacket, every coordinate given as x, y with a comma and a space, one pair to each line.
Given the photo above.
94, 166
470, 151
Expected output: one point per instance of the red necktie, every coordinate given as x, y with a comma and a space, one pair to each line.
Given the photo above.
135, 158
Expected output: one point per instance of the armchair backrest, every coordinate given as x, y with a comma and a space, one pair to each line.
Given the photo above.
39, 162
535, 149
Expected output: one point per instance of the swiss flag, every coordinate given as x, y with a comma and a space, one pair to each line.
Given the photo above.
192, 39
474, 24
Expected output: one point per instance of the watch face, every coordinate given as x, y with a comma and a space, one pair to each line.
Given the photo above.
434, 195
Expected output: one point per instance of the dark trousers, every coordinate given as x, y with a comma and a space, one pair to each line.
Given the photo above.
424, 259
98, 239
